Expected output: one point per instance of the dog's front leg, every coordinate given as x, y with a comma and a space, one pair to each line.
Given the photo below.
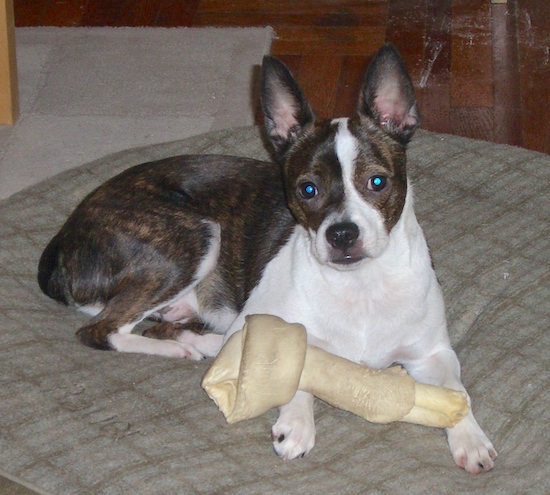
294, 432
470, 447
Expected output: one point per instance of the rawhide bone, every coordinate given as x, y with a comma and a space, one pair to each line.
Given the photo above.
263, 365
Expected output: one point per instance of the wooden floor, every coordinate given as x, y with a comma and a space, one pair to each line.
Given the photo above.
481, 70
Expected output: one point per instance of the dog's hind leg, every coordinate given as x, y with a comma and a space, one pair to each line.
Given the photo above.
126, 342
134, 301
194, 332
171, 331
106, 335
153, 285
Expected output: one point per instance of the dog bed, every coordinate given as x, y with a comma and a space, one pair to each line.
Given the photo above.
74, 420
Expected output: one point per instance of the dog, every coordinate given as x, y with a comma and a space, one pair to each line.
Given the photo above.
326, 236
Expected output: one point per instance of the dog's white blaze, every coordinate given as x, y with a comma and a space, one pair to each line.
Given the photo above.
370, 222
346, 146
346, 149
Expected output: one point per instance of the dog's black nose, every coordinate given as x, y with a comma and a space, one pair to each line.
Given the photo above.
342, 235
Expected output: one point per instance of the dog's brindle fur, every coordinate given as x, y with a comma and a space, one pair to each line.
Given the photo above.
327, 237
138, 240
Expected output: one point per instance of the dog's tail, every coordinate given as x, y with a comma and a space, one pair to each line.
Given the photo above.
49, 273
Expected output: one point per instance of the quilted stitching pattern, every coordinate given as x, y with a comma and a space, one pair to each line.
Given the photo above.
74, 420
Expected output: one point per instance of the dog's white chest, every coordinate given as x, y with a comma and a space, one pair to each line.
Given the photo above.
369, 315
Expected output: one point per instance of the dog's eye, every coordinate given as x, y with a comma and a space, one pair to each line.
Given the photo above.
377, 183
308, 190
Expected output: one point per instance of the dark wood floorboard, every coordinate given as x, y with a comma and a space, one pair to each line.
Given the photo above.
507, 97
480, 70
533, 17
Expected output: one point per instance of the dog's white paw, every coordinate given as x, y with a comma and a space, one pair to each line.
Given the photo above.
144, 345
293, 438
294, 432
470, 447
209, 344
185, 351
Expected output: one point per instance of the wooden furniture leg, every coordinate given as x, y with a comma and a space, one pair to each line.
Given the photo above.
9, 95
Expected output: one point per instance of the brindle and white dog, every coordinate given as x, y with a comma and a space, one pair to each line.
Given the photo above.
327, 237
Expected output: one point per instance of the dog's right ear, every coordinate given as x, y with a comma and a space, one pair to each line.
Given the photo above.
287, 112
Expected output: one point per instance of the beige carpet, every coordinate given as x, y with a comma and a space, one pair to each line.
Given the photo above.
78, 421
87, 92
13, 485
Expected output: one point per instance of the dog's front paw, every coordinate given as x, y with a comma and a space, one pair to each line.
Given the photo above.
294, 432
293, 438
470, 447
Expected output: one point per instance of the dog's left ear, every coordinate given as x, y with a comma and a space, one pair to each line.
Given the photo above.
387, 95
287, 111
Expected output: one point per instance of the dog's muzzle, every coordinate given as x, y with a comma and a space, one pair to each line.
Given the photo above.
344, 241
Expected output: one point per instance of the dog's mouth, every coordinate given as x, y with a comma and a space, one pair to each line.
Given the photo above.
348, 257
347, 260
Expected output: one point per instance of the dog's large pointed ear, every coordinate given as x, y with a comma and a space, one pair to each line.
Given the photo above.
387, 95
286, 110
